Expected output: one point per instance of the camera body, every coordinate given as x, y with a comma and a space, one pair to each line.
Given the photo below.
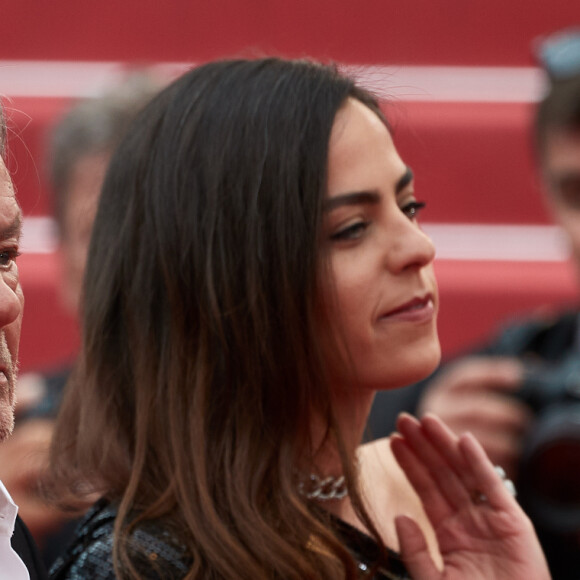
549, 471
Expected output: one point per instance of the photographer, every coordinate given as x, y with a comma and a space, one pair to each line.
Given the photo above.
534, 432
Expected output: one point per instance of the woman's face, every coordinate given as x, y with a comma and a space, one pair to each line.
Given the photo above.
382, 302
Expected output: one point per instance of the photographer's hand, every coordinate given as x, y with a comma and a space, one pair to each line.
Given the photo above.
481, 530
471, 395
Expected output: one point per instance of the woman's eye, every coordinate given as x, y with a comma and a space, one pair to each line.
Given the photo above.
351, 232
7, 257
412, 209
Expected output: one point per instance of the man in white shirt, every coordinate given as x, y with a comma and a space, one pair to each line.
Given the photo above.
18, 558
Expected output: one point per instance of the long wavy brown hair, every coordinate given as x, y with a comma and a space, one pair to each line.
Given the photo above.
201, 366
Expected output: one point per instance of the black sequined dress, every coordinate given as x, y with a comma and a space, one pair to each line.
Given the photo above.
157, 556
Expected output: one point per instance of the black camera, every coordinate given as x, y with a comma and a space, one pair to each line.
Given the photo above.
549, 473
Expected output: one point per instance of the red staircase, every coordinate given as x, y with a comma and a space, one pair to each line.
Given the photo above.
462, 93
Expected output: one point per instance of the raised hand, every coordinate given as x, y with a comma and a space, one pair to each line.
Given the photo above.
481, 530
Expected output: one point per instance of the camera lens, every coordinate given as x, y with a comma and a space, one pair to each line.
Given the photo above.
552, 472
549, 481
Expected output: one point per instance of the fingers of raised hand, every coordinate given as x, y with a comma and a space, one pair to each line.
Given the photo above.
448, 472
420, 478
487, 479
429, 454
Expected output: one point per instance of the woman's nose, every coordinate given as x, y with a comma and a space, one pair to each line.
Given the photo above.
412, 248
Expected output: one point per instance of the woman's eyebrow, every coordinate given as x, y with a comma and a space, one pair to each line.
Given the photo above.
352, 198
406, 178
366, 197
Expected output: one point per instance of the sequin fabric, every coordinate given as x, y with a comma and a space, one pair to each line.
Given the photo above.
157, 556
154, 552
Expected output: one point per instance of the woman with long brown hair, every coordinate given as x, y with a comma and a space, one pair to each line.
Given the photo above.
256, 273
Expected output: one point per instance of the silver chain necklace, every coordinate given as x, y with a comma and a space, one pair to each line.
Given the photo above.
323, 489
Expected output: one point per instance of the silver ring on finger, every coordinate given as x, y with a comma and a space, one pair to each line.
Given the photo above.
478, 498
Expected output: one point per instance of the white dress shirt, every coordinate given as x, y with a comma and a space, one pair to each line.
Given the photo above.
11, 566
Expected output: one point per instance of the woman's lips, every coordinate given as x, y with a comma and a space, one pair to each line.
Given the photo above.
416, 310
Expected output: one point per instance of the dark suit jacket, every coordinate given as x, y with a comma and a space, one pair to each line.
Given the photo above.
24, 546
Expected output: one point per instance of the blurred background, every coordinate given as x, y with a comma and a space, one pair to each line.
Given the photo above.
458, 80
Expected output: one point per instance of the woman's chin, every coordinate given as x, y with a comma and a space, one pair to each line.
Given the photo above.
413, 367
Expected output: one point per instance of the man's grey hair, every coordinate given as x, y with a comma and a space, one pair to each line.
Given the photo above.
93, 126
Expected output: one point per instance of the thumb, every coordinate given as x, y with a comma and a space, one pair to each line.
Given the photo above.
414, 550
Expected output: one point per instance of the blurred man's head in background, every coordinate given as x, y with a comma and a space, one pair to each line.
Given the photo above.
80, 147
557, 131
